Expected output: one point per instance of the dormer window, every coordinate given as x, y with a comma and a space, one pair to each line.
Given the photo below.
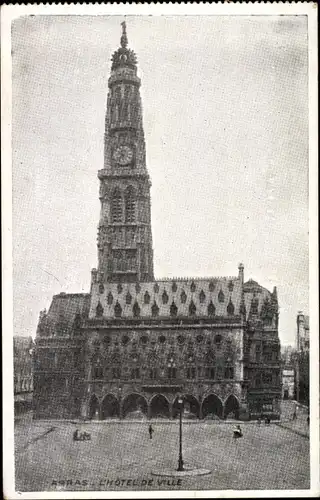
146, 298
192, 308
165, 297
99, 310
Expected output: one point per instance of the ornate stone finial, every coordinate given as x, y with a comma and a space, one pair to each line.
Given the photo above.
124, 38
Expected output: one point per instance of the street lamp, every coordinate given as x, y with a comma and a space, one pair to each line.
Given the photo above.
180, 461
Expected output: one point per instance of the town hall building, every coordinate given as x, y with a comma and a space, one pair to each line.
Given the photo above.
132, 345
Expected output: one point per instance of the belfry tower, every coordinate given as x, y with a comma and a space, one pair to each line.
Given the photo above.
125, 251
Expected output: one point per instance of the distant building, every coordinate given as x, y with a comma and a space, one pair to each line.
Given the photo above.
23, 372
303, 336
135, 344
302, 359
288, 380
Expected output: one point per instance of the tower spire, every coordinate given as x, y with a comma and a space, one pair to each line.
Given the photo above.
124, 38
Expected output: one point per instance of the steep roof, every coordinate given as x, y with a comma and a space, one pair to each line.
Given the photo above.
183, 293
62, 313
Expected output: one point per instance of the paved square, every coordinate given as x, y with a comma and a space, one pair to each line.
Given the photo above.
121, 455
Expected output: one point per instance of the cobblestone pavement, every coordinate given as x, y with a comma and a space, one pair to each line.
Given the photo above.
122, 456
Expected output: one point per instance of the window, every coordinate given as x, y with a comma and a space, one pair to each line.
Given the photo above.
221, 296
181, 339
128, 298
101, 288
165, 297
125, 340
156, 288
199, 339
192, 308
193, 287
183, 297
267, 378
136, 310
202, 297
116, 206
154, 310
191, 372
230, 308
110, 299
138, 287
172, 372
162, 339
218, 340
135, 373
99, 310
258, 352
229, 372
174, 287
130, 205
97, 372
119, 288
210, 373
230, 286
144, 339
146, 298
117, 310
173, 310
211, 286
211, 309
116, 372
153, 373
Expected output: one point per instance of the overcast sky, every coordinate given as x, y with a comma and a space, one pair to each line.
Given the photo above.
225, 109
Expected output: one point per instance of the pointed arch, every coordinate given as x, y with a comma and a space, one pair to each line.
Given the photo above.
110, 407
231, 407
135, 406
130, 204
94, 407
221, 296
191, 407
116, 206
159, 406
212, 407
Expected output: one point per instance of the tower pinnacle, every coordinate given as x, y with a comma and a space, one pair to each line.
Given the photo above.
124, 38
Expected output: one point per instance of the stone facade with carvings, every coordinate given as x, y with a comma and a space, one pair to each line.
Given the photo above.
132, 345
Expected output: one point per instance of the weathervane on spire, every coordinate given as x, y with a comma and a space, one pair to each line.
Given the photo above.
124, 39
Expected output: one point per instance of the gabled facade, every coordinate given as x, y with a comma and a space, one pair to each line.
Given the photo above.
134, 344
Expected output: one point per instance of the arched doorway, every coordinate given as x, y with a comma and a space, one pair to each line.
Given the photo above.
109, 407
231, 407
159, 407
212, 407
135, 406
191, 407
94, 407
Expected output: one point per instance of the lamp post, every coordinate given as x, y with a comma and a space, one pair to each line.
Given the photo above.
180, 461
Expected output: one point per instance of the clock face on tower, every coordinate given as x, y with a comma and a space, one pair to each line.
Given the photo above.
123, 155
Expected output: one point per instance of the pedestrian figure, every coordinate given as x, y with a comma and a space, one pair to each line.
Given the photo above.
237, 432
150, 431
